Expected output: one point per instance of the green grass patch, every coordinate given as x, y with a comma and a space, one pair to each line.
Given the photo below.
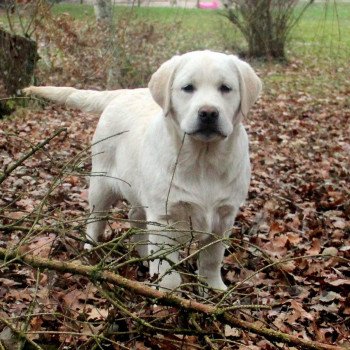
322, 25
191, 20
323, 28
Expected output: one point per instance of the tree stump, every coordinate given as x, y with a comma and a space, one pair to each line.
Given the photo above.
18, 57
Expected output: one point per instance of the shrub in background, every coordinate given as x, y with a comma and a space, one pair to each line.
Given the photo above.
265, 24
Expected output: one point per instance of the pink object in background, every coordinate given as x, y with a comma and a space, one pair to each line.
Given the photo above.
212, 5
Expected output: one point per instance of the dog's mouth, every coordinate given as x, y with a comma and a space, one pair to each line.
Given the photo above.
207, 134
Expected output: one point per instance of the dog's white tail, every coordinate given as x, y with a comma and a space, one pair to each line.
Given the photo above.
87, 100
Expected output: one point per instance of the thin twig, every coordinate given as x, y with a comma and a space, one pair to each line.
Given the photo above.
251, 307
6, 172
172, 178
206, 338
20, 334
275, 263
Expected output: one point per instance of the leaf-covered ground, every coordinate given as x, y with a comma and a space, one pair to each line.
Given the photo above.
290, 246
292, 236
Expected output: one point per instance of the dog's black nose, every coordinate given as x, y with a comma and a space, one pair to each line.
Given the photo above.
208, 115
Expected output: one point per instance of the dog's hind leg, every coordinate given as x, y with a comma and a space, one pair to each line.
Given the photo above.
137, 216
101, 198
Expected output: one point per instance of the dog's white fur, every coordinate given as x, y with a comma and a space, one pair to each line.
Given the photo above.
212, 174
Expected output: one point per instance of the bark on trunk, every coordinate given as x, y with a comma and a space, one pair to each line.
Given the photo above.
18, 57
103, 10
104, 15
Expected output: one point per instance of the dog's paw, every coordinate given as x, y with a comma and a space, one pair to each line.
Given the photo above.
213, 285
88, 246
170, 281
219, 286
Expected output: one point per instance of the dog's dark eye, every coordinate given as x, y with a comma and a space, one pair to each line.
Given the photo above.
225, 88
188, 88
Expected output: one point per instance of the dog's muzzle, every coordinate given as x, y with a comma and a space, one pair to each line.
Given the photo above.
208, 124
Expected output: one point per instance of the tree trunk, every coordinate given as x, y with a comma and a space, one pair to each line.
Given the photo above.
103, 10
104, 15
18, 57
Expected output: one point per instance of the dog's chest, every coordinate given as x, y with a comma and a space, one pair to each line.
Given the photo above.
203, 189
205, 182
203, 198
216, 218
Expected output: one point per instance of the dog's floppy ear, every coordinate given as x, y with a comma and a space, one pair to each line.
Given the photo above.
161, 83
250, 85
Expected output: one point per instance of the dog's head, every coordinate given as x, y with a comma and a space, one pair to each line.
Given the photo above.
207, 92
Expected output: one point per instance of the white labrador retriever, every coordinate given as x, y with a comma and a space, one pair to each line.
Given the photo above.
184, 156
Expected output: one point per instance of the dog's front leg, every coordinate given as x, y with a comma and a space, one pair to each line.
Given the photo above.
209, 262
166, 254
212, 249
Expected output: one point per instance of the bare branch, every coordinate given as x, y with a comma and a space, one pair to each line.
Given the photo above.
94, 273
6, 172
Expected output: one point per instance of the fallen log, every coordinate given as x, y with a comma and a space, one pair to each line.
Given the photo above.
94, 273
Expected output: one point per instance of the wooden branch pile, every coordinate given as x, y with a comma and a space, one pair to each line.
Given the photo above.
160, 297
